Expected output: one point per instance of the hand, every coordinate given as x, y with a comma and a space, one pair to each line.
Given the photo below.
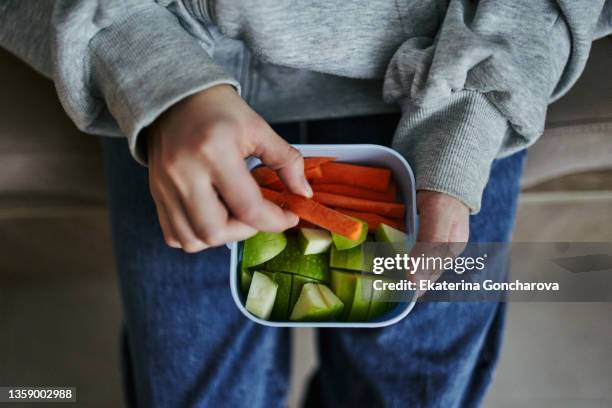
444, 227
442, 218
203, 191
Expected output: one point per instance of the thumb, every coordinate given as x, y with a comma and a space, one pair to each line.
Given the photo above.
286, 160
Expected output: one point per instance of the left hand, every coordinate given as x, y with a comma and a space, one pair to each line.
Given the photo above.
443, 219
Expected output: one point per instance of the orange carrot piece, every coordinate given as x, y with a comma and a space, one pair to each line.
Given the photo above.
310, 174
358, 192
312, 170
264, 175
320, 215
394, 210
270, 195
374, 178
374, 220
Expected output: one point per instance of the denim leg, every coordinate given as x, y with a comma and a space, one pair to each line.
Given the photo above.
187, 343
442, 354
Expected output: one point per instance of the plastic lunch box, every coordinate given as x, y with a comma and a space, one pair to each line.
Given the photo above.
367, 154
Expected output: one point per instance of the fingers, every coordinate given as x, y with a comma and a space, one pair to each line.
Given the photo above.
243, 197
210, 220
279, 155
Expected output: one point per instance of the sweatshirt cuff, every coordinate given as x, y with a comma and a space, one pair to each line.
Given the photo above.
452, 144
146, 63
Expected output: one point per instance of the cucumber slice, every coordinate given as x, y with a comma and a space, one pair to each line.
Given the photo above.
296, 289
341, 242
262, 295
343, 286
293, 261
262, 247
314, 241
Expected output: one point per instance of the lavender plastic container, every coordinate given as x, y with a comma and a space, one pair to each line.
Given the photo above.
367, 154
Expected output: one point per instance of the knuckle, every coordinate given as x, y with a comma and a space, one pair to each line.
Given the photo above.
249, 213
210, 236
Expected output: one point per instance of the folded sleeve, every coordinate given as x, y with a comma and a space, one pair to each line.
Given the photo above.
117, 64
479, 88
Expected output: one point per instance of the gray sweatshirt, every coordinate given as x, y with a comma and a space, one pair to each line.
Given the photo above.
472, 78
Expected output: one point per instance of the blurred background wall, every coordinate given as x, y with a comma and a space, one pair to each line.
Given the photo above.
59, 306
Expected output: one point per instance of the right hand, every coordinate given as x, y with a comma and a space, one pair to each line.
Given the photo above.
203, 191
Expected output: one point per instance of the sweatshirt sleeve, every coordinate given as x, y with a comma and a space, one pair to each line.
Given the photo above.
479, 88
116, 64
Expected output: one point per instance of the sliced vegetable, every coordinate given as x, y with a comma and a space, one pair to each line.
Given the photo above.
388, 195
262, 295
321, 215
264, 175
341, 242
373, 220
311, 174
246, 276
374, 178
314, 240
394, 210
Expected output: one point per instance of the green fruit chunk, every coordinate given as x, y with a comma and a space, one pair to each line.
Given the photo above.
354, 291
283, 296
361, 300
292, 260
312, 304
262, 247
378, 306
386, 233
341, 242
262, 295
296, 288
314, 241
331, 300
245, 280
352, 259
343, 285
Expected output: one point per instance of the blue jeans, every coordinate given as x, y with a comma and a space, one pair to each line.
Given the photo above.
186, 343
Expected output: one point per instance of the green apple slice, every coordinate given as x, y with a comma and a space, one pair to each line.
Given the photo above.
246, 277
378, 306
352, 259
361, 299
343, 285
296, 288
314, 241
292, 260
316, 303
262, 295
262, 247
386, 233
283, 296
332, 301
341, 242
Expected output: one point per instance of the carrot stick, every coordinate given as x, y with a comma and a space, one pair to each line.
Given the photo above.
312, 170
320, 215
393, 210
311, 174
264, 175
374, 220
374, 178
358, 192
270, 195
